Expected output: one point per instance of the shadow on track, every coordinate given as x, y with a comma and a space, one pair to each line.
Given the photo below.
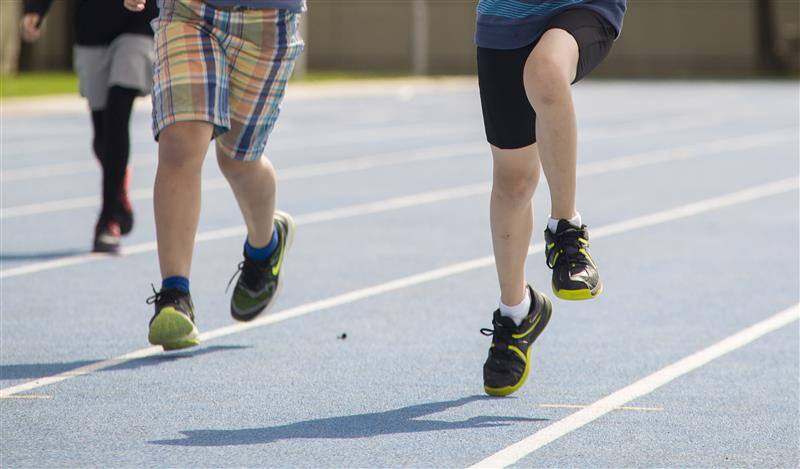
38, 370
403, 420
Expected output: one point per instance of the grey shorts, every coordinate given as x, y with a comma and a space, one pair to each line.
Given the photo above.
127, 61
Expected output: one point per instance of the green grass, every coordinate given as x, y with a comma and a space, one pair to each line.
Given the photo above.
49, 83
37, 84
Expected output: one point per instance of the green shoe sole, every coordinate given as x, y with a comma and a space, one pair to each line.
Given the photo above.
173, 330
181, 344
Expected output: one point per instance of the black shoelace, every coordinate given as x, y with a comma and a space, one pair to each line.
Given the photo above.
502, 339
169, 296
251, 273
567, 249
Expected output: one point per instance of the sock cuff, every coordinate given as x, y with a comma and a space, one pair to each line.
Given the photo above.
517, 312
576, 221
175, 282
261, 253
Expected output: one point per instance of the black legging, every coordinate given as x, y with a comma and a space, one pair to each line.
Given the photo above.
111, 144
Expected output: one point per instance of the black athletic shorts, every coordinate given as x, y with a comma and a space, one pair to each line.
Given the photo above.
508, 116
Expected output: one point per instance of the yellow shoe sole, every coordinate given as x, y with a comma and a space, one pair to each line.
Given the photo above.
173, 330
506, 390
577, 295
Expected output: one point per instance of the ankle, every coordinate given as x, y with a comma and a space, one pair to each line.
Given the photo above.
517, 312
552, 223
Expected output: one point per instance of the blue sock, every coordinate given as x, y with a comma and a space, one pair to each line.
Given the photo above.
261, 254
181, 283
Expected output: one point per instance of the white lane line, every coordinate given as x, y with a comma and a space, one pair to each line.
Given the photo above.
394, 203
614, 164
583, 406
346, 165
695, 150
51, 206
385, 134
667, 124
287, 143
378, 134
591, 133
646, 385
26, 396
684, 211
56, 169
446, 151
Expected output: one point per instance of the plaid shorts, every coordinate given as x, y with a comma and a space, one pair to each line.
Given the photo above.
226, 67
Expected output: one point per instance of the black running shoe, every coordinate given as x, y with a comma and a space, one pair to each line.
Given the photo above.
106, 236
172, 325
508, 364
260, 281
575, 275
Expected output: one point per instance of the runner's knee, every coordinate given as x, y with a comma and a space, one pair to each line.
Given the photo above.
515, 179
184, 144
546, 80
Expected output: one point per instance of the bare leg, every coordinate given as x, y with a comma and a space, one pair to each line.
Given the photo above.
254, 185
181, 149
549, 71
515, 176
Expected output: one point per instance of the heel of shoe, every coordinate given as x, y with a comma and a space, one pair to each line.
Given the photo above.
172, 330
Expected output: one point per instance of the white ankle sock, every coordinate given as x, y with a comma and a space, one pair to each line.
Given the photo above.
552, 223
518, 312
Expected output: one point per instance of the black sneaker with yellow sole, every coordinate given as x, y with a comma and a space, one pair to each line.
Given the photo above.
172, 325
575, 275
509, 362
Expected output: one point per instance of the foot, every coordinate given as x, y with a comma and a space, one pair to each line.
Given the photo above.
508, 364
124, 214
575, 275
172, 325
106, 236
260, 281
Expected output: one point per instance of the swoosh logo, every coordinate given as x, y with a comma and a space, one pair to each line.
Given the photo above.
276, 269
535, 323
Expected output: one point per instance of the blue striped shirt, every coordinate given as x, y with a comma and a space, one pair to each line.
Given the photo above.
511, 24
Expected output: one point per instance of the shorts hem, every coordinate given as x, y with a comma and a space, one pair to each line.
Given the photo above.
251, 154
510, 146
161, 124
143, 91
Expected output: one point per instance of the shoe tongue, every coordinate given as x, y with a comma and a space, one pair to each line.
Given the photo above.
171, 295
504, 320
259, 262
564, 225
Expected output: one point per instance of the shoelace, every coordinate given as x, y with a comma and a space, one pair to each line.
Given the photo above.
163, 296
250, 273
567, 249
502, 336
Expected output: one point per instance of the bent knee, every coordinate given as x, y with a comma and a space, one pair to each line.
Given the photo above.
234, 169
546, 79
